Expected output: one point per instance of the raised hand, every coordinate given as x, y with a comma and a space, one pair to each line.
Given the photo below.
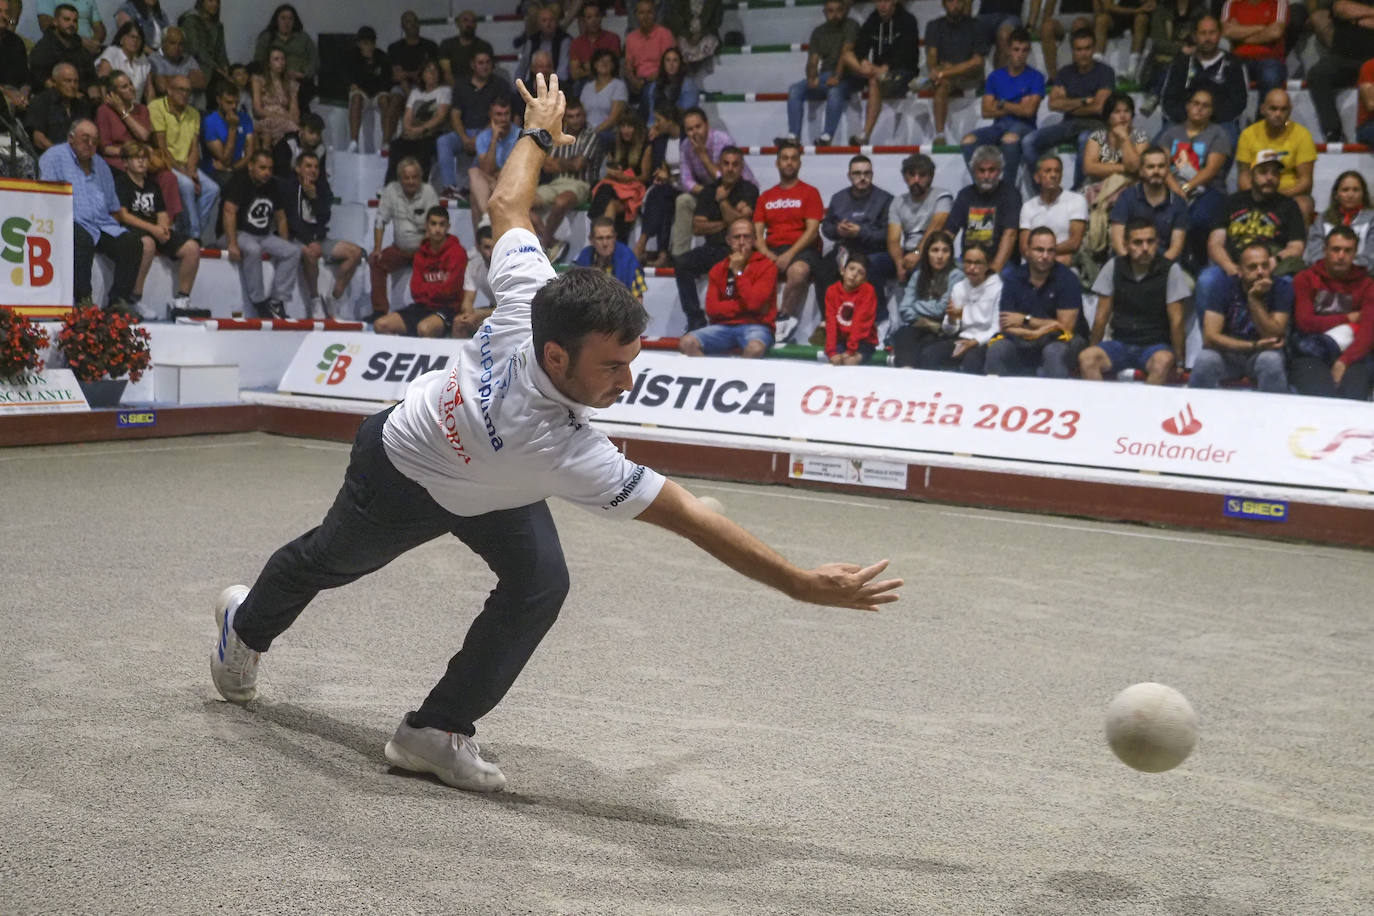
544, 109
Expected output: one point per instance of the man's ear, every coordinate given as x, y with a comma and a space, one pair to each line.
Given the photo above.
555, 358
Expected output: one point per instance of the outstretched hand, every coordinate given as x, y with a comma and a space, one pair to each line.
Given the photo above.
544, 109
849, 585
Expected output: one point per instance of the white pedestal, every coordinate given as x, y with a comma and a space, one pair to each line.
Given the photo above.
178, 383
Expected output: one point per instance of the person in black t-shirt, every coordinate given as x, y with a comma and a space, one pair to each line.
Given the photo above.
370, 79
143, 211
254, 224
1351, 46
410, 54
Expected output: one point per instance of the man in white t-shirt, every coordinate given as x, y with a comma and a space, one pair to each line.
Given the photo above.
471, 316
473, 451
1066, 212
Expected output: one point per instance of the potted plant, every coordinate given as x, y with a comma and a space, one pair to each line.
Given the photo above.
21, 343
102, 348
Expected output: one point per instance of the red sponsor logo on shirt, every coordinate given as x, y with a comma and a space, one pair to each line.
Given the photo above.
448, 415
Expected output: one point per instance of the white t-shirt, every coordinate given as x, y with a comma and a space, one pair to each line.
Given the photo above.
426, 104
981, 305
475, 280
493, 432
1067, 207
136, 70
598, 104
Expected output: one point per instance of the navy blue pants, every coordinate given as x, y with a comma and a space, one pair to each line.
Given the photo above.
378, 515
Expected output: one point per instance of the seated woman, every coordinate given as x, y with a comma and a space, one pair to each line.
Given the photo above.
1114, 149
673, 86
127, 55
1351, 207
665, 167
620, 194
924, 304
971, 318
121, 118
142, 211
425, 118
276, 111
604, 96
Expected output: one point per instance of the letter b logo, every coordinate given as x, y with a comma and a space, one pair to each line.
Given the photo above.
339, 370
40, 261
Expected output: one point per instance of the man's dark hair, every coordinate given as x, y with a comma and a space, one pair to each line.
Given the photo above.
1019, 35
1262, 244
261, 153
584, 301
587, 4
499, 101
695, 110
366, 33
859, 260
859, 159
1154, 149
313, 122
484, 231
1079, 34
65, 6
918, 164
601, 222
1039, 231
732, 150
1212, 96
572, 101
1343, 232
436, 210
1115, 99
306, 154
789, 143
1135, 224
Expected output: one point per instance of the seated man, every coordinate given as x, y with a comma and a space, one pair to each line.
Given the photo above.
1258, 214
1207, 67
143, 211
1080, 91
1151, 199
612, 256
988, 211
287, 152
1011, 99
954, 59
730, 197
920, 210
1140, 298
825, 75
1042, 301
741, 300
1245, 325
856, 221
1334, 323
308, 202
1255, 29
53, 110
1275, 132
1065, 213
254, 225
436, 284
787, 222
94, 203
472, 96
492, 146
1352, 44
403, 206
700, 151
885, 54
851, 316
224, 155
172, 60
565, 179
176, 125
470, 314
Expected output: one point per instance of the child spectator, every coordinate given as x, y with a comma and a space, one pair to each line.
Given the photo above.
287, 33
619, 195
470, 316
143, 212
436, 284
851, 311
309, 139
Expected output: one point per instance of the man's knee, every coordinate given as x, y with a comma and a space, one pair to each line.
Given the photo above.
1010, 139
798, 272
1093, 359
1160, 364
390, 323
754, 349
688, 345
969, 140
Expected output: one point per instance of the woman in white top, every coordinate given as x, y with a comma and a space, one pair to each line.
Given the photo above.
971, 319
426, 116
604, 96
127, 55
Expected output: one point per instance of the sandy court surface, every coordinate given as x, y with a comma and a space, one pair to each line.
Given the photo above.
685, 741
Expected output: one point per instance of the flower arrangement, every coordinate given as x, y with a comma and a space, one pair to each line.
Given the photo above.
21, 342
98, 344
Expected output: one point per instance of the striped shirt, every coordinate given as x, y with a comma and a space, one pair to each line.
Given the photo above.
585, 145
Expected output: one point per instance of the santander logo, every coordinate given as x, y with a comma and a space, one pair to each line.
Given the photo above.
1183, 423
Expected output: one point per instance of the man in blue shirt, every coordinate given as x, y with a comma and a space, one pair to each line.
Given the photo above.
223, 155
494, 144
1080, 90
1245, 326
1150, 198
1042, 304
94, 202
1010, 98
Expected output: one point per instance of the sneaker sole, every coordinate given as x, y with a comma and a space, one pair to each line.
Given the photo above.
399, 757
221, 615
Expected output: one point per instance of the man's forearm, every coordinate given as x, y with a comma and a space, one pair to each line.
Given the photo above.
514, 193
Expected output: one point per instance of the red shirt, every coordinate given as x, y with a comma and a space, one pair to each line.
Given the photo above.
582, 49
852, 316
436, 279
643, 53
1257, 12
755, 293
1321, 302
1366, 76
784, 213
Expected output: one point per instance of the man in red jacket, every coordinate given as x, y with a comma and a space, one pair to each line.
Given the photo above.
851, 312
1333, 304
741, 300
436, 284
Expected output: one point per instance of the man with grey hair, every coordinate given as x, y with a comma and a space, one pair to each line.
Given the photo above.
913, 214
988, 211
53, 111
94, 203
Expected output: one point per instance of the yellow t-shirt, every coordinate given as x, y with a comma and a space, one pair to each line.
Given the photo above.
1295, 143
182, 130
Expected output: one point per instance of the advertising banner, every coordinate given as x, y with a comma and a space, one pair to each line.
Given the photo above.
49, 391
365, 366
1228, 435
35, 247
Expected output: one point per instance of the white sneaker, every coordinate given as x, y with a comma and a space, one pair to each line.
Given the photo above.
233, 666
353, 146
452, 756
786, 327
317, 311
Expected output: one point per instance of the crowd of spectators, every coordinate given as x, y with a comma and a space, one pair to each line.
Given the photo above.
174, 146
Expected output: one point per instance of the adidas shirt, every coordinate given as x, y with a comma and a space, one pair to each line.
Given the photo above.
493, 432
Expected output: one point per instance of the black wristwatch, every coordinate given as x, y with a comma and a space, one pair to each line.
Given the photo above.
539, 135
